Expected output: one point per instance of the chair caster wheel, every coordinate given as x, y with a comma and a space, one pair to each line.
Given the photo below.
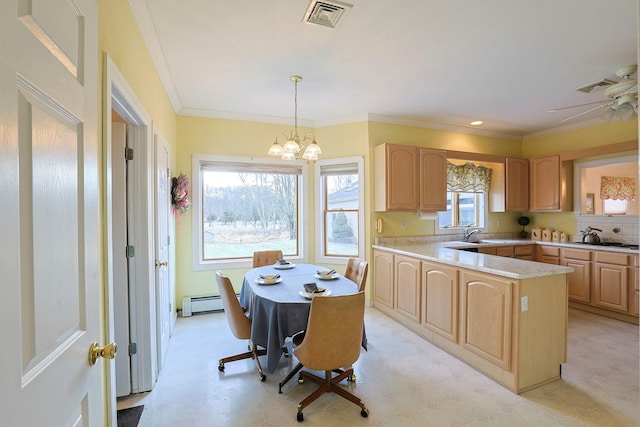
221, 367
300, 379
351, 378
364, 413
300, 417
262, 377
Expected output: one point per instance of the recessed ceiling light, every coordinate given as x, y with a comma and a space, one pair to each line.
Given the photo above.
476, 123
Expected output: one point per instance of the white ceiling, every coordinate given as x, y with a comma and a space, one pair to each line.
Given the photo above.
403, 61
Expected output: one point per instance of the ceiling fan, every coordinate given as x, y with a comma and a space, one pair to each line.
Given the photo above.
621, 99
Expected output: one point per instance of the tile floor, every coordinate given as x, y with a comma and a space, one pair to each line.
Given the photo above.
404, 381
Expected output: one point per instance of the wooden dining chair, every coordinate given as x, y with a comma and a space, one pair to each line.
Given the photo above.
331, 341
239, 324
262, 258
356, 271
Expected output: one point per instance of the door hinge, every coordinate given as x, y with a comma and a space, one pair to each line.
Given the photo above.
128, 153
133, 348
131, 251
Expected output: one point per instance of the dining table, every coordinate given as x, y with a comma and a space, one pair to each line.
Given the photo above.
280, 310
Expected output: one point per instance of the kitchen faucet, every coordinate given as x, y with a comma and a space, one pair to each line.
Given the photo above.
468, 233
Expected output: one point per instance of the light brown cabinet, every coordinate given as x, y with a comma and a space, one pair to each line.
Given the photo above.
517, 184
611, 281
440, 302
408, 178
634, 292
478, 317
486, 317
383, 291
579, 285
407, 279
550, 184
548, 254
433, 180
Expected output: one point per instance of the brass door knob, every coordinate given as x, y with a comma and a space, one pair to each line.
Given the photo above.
108, 352
162, 263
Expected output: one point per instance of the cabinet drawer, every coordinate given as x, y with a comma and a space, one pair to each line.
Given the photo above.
549, 250
505, 251
577, 254
523, 250
613, 258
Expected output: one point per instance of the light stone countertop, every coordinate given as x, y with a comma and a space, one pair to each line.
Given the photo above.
448, 253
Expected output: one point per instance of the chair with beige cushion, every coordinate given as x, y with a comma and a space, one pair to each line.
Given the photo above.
262, 258
332, 340
239, 324
356, 271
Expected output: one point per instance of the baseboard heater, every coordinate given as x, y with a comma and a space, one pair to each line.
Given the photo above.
202, 304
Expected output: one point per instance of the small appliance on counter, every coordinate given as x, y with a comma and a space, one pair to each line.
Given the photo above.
589, 236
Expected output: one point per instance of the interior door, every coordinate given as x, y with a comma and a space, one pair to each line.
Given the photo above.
49, 215
162, 208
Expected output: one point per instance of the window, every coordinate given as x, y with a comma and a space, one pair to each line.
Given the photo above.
463, 210
339, 203
242, 205
614, 207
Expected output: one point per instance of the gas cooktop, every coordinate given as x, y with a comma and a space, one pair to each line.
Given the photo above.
614, 244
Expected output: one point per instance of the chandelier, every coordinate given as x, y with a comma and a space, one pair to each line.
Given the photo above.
294, 146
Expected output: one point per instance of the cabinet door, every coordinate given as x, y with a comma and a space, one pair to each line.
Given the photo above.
407, 283
505, 251
440, 302
579, 281
400, 189
433, 180
517, 185
545, 184
486, 317
383, 278
610, 286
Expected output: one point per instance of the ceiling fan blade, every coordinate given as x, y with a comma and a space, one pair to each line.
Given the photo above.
589, 110
579, 105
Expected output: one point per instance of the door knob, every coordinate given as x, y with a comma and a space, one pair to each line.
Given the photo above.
162, 263
108, 352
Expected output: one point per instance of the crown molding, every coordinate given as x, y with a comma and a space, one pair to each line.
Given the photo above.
245, 117
565, 128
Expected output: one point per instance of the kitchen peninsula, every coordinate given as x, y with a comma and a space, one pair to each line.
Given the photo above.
505, 317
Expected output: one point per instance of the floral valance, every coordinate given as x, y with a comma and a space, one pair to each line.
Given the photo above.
618, 187
468, 177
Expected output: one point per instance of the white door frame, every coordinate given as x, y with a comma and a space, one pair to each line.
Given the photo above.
118, 96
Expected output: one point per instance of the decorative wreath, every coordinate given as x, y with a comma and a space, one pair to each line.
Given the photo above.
180, 194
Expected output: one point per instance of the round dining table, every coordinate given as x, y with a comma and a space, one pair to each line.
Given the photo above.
279, 310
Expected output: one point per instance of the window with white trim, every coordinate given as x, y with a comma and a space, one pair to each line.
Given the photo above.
339, 204
242, 205
614, 207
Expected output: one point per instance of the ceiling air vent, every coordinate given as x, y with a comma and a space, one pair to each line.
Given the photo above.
326, 13
600, 84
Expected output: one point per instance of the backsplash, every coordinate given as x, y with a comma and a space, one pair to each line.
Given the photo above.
626, 226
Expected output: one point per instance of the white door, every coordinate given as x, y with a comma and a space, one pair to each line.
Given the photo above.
49, 214
162, 207
120, 282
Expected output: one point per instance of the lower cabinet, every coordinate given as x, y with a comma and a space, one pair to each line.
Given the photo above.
611, 281
580, 280
440, 302
513, 331
486, 317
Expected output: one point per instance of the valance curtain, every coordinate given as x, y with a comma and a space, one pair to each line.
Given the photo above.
618, 187
468, 177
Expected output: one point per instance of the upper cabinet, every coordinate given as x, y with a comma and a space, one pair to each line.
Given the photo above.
551, 184
517, 184
409, 178
433, 180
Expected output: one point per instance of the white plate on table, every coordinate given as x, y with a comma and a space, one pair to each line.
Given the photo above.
283, 266
309, 295
268, 282
321, 277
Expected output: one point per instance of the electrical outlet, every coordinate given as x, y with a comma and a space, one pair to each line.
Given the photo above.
524, 303
553, 223
404, 224
498, 223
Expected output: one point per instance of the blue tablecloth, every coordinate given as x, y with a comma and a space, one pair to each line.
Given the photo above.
279, 311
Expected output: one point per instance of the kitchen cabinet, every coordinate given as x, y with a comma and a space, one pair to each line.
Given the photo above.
433, 180
479, 317
579, 282
524, 252
486, 317
517, 184
488, 250
611, 280
440, 302
635, 288
396, 177
407, 279
383, 292
550, 184
548, 254
408, 178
